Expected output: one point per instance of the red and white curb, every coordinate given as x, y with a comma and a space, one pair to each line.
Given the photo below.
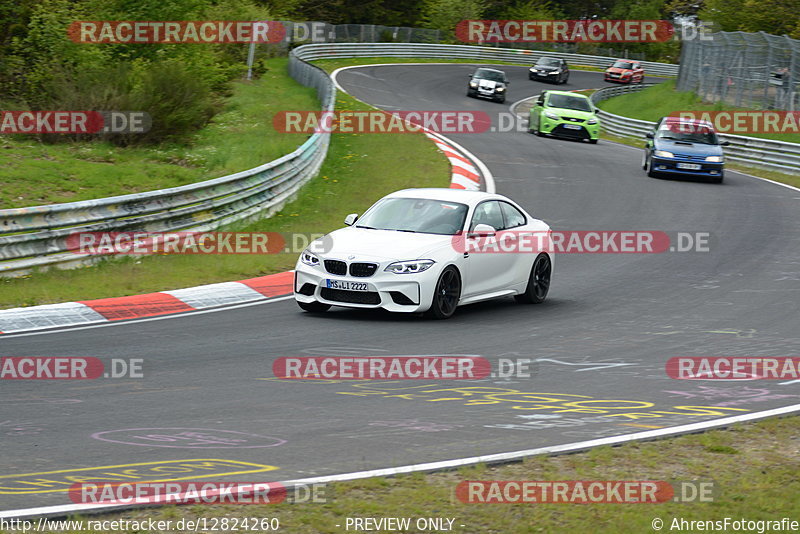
148, 305
464, 174
468, 172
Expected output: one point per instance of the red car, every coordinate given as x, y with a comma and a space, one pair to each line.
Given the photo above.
625, 71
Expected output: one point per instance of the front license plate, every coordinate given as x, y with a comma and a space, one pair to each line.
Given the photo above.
690, 166
572, 127
349, 286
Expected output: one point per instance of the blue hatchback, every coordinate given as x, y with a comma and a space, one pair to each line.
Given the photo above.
684, 147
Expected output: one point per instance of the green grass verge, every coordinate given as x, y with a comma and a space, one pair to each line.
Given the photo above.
789, 179
359, 169
753, 468
240, 137
660, 100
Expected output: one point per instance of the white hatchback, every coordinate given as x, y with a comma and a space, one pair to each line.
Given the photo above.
415, 251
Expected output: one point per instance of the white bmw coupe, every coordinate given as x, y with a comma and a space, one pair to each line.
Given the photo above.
415, 251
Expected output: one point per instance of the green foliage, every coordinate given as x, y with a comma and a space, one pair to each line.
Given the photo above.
777, 17
178, 84
445, 14
532, 10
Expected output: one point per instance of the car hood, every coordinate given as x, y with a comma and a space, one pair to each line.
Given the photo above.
617, 70
488, 84
564, 112
381, 245
695, 149
545, 67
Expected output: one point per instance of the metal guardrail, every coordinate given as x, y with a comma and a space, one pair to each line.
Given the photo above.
479, 53
767, 153
36, 237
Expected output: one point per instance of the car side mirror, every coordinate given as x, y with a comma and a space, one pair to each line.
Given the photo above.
725, 143
649, 135
507, 82
482, 230
351, 219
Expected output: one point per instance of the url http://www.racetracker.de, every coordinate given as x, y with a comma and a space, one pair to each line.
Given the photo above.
198, 524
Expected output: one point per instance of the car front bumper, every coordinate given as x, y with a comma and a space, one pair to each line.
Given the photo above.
410, 293
626, 79
561, 128
670, 165
493, 95
552, 76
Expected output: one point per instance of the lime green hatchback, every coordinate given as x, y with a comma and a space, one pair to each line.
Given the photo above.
564, 114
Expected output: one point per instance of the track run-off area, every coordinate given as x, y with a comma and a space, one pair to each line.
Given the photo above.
209, 407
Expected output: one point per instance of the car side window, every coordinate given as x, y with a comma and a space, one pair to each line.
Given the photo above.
512, 216
488, 212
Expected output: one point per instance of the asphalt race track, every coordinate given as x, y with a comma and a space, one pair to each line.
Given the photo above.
604, 334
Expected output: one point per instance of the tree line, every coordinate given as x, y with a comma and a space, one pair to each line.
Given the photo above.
182, 86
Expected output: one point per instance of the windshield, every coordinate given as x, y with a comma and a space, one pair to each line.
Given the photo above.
570, 102
415, 215
486, 74
688, 133
548, 62
623, 65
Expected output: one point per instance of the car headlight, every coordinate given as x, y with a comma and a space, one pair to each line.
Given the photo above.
591, 121
409, 267
664, 154
473, 84
532, 69
550, 115
714, 159
501, 89
309, 258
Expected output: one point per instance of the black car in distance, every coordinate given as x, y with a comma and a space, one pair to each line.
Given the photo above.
551, 69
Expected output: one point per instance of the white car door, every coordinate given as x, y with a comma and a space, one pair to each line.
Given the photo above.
488, 267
